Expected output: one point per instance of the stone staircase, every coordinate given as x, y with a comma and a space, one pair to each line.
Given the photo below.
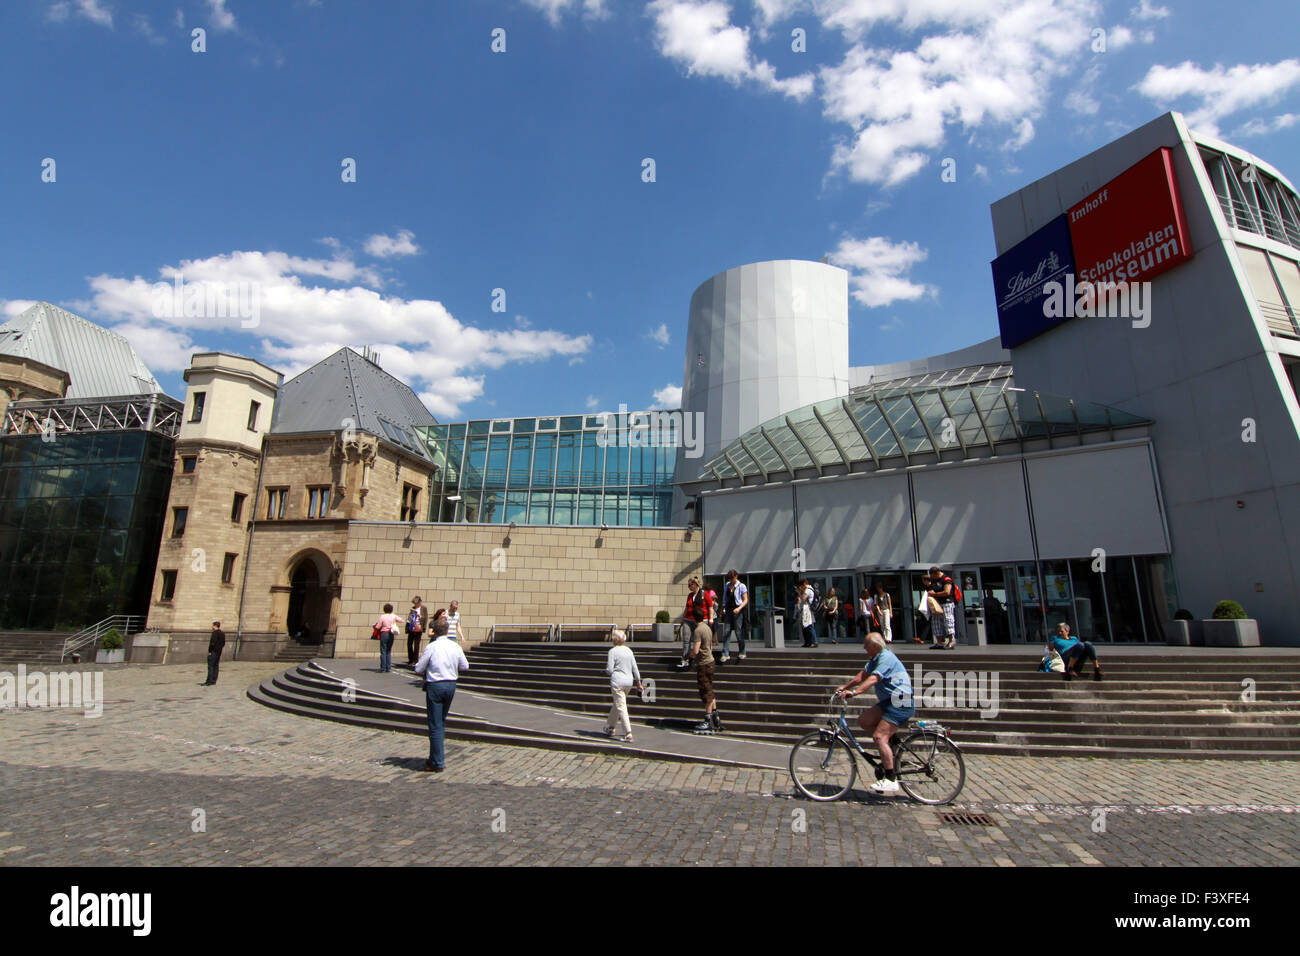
33, 648
1162, 705
1151, 705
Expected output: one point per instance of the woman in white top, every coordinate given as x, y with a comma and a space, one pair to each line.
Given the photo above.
883, 606
623, 674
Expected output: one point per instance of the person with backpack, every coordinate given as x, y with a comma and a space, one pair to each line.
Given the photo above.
944, 623
699, 610
417, 622
831, 612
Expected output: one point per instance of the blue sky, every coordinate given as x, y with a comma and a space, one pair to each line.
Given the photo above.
522, 170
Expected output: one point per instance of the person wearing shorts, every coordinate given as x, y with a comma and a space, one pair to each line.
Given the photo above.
943, 624
702, 655
885, 674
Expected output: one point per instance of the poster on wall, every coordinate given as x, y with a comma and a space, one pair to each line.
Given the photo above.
1028, 587
1058, 588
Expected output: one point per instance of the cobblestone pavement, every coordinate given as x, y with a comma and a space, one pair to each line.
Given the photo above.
134, 785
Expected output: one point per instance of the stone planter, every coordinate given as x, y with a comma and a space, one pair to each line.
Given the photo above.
1178, 633
663, 633
110, 657
1240, 633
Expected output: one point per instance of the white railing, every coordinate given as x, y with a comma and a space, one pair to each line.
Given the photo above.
124, 623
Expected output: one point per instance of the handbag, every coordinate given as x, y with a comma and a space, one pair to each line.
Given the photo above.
807, 618
374, 635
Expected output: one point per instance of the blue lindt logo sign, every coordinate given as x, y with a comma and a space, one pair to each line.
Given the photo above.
1020, 274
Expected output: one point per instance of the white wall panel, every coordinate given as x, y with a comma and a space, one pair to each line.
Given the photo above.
1105, 498
856, 522
973, 514
752, 531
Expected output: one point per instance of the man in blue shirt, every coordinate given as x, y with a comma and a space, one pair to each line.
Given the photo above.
885, 674
735, 608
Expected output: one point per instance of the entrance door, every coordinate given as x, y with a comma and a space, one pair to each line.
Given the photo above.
901, 627
309, 604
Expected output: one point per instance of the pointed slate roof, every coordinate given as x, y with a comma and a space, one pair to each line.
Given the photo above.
100, 363
345, 385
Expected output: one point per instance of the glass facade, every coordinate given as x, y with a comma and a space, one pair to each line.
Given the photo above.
80, 521
887, 425
567, 470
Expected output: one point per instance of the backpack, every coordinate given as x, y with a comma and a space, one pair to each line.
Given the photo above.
956, 591
815, 601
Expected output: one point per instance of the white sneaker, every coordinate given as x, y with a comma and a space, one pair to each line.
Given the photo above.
885, 785
725, 659
741, 656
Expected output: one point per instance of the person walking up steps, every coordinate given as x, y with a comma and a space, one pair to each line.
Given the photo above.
623, 675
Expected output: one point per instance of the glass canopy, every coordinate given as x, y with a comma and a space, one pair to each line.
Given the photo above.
891, 424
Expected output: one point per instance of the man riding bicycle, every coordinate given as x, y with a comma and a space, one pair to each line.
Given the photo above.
885, 674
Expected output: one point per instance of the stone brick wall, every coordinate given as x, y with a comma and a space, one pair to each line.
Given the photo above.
544, 575
201, 596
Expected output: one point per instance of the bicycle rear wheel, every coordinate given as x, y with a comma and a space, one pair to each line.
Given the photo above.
823, 767
930, 767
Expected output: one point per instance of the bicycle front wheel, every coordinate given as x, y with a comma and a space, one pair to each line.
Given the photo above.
823, 767
930, 767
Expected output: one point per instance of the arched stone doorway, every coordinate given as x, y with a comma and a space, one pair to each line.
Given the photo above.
311, 596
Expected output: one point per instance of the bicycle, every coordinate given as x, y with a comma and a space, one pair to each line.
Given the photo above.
824, 766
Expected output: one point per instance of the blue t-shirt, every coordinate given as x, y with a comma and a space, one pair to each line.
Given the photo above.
1060, 644
894, 679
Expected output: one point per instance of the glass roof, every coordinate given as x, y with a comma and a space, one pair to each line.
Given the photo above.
887, 425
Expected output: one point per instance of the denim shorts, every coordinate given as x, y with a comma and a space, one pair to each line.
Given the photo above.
898, 716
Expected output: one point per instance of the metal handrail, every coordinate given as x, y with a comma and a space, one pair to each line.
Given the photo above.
126, 623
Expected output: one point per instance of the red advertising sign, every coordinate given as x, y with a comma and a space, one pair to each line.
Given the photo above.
1133, 228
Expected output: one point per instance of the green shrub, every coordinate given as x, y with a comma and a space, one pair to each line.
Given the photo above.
112, 641
1182, 614
663, 617
1229, 611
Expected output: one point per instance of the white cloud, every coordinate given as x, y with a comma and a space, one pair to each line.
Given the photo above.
876, 268
981, 172
302, 321
659, 335
593, 403
144, 27
1221, 92
179, 19
384, 247
161, 348
669, 397
1262, 127
218, 16
699, 34
554, 9
973, 64
11, 307
1083, 98
1118, 37
90, 10
1148, 11
892, 325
